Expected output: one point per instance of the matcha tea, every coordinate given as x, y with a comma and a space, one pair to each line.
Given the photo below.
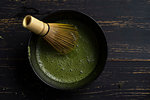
71, 67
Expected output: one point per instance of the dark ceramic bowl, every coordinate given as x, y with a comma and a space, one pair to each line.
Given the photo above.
99, 36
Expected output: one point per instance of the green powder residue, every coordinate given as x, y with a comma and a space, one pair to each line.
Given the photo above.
74, 66
1, 37
29, 51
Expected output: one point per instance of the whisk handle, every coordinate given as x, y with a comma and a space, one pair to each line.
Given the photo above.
35, 25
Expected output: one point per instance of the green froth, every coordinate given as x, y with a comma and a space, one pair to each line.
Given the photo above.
74, 66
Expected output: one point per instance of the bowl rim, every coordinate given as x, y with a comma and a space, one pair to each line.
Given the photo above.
106, 52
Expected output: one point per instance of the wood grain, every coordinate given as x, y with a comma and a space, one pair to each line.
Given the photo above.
126, 24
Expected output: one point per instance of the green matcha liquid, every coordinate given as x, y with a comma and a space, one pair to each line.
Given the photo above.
71, 67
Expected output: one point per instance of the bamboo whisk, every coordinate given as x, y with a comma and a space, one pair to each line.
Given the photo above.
63, 37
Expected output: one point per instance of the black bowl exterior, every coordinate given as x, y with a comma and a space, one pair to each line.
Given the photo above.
99, 35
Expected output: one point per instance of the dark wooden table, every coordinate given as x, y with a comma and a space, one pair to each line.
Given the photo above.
126, 76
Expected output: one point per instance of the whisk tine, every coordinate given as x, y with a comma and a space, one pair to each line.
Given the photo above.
54, 44
64, 38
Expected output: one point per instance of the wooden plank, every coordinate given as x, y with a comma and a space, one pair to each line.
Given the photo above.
118, 80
